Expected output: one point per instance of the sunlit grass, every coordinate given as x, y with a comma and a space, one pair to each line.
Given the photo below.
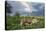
13, 22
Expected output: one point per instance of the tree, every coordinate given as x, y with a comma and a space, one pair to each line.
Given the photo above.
17, 14
17, 17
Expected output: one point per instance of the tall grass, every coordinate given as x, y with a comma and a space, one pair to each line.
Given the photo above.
13, 23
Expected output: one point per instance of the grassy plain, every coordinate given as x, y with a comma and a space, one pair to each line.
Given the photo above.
13, 23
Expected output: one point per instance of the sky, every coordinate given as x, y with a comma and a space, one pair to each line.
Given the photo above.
27, 8
28, 0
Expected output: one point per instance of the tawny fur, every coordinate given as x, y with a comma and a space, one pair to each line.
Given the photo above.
26, 21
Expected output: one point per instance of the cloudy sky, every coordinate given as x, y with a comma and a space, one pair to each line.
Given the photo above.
27, 8
28, 0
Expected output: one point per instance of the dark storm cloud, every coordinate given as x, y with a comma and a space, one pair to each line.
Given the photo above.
37, 8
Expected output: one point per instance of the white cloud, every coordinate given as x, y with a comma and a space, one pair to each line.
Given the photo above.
27, 7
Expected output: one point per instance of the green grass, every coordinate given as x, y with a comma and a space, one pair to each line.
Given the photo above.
13, 23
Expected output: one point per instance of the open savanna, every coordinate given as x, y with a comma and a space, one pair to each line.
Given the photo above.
13, 22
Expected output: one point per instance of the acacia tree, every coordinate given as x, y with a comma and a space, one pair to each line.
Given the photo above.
17, 14
17, 17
